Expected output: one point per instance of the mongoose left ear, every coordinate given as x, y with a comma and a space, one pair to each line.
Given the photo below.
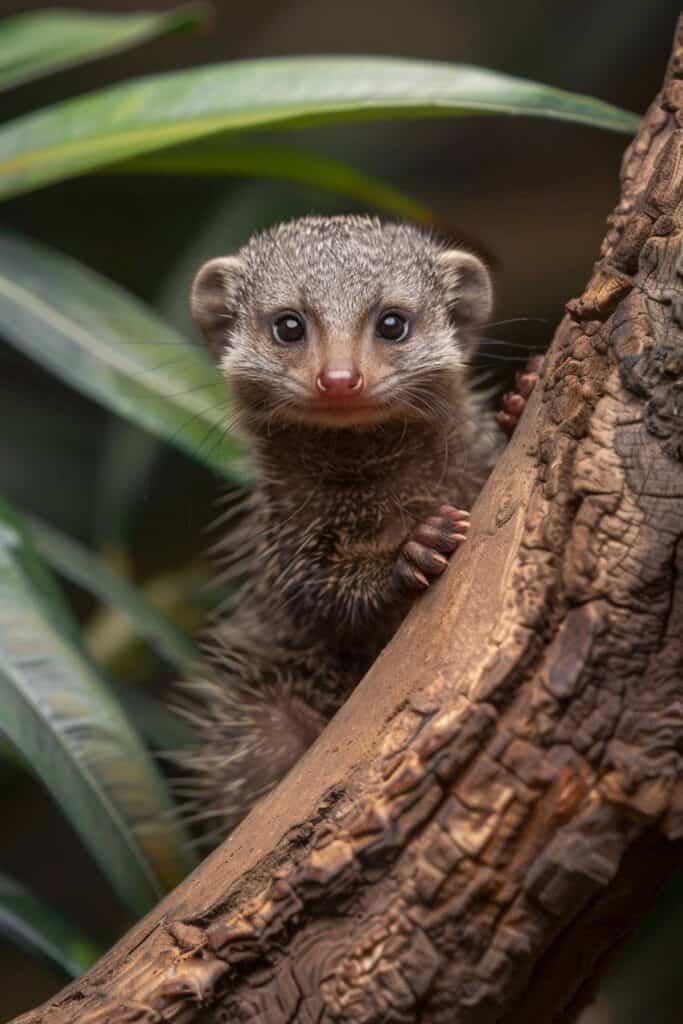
214, 300
469, 293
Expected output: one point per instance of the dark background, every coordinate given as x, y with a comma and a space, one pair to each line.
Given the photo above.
532, 194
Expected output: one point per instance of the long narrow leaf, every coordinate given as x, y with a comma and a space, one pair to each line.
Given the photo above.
162, 729
128, 463
82, 567
116, 646
74, 736
107, 344
42, 932
38, 42
148, 114
287, 163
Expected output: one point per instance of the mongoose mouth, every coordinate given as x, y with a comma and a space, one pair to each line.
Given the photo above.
350, 412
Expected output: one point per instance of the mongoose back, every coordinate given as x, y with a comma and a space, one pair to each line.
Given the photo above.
346, 344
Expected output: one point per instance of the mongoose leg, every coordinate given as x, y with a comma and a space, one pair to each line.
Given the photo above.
424, 556
514, 402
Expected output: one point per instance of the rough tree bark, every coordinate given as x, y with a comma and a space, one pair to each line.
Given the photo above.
503, 794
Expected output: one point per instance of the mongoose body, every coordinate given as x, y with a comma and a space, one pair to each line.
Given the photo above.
346, 344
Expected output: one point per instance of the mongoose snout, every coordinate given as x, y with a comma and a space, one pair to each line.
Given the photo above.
340, 382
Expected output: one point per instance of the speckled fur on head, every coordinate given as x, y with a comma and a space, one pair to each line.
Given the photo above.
340, 273
334, 503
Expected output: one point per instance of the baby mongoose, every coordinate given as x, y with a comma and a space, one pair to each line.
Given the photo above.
346, 344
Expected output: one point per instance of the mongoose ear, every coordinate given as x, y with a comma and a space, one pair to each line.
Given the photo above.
469, 292
214, 298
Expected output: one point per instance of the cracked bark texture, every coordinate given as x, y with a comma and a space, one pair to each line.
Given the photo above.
499, 800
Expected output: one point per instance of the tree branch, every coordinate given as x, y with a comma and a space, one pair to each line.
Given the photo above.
498, 801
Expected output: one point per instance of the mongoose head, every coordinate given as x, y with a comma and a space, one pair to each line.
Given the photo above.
342, 322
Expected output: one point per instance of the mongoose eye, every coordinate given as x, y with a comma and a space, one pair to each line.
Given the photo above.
392, 326
288, 327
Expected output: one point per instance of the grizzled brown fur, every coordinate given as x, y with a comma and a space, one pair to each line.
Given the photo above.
355, 507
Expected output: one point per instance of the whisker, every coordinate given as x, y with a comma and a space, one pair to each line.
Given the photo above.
513, 344
497, 357
517, 320
189, 391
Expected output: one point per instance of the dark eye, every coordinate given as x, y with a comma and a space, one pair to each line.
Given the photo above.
288, 327
392, 326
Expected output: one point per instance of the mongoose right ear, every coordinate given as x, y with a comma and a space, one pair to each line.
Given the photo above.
214, 300
469, 292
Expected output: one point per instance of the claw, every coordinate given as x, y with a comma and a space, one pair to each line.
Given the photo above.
425, 554
514, 402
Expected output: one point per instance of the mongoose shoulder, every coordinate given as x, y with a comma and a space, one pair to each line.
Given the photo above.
346, 344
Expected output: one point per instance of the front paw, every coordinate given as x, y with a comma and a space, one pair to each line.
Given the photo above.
424, 556
514, 402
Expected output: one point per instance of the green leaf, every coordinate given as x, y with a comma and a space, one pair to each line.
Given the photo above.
82, 567
148, 114
43, 932
73, 735
276, 161
38, 42
111, 641
128, 463
162, 729
105, 343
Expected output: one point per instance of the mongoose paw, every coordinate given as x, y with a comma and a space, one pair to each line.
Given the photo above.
424, 556
514, 402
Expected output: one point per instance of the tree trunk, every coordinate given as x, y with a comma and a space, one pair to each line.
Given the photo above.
498, 801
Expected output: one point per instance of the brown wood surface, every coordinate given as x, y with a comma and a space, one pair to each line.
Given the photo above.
502, 796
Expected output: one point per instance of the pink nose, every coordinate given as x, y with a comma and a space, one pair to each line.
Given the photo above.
344, 382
